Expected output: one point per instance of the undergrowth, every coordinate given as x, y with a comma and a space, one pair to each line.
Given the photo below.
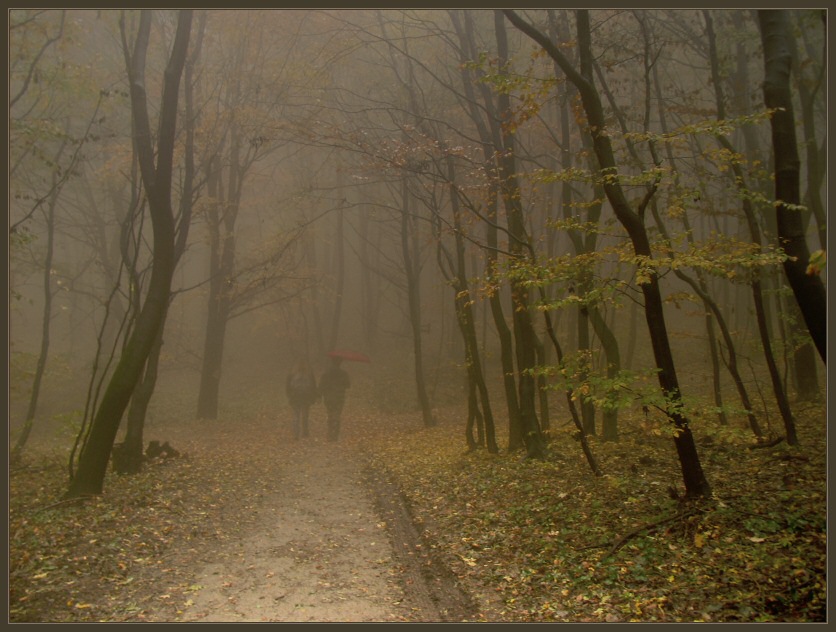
548, 541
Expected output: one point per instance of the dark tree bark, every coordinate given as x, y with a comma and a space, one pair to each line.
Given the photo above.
133, 444
506, 340
88, 478
810, 82
696, 485
369, 282
809, 87
59, 178
222, 217
807, 287
524, 334
474, 418
490, 142
310, 257
583, 244
542, 386
609, 416
338, 269
401, 65
755, 235
703, 285
43, 355
457, 277
227, 172
412, 267
585, 353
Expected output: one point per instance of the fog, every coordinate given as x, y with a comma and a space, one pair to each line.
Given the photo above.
336, 171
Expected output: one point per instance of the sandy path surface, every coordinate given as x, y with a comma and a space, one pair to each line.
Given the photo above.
318, 551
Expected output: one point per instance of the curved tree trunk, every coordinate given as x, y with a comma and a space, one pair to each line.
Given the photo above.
130, 454
696, 485
467, 324
132, 447
156, 176
570, 399
506, 347
489, 137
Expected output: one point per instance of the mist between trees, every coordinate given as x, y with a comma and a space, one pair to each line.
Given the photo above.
549, 217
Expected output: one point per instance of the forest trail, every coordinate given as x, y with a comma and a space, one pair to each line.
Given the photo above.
247, 525
320, 548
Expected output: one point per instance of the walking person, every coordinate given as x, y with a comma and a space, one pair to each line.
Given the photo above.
333, 384
301, 393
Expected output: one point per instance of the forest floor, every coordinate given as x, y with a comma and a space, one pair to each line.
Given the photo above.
400, 523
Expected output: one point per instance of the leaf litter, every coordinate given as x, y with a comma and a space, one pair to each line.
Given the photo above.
521, 540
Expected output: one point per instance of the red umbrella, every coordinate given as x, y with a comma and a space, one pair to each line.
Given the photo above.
351, 356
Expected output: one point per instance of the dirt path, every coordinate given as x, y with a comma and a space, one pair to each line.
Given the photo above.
329, 544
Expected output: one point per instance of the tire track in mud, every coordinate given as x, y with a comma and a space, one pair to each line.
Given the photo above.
432, 590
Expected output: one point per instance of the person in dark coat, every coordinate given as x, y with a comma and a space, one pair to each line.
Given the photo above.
301, 393
333, 384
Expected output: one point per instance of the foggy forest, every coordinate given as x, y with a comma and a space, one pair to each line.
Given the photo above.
570, 266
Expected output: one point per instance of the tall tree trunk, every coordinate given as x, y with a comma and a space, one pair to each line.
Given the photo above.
585, 357
807, 286
586, 244
338, 268
609, 416
506, 341
46, 318
222, 218
490, 141
761, 315
466, 321
709, 320
59, 178
88, 478
805, 371
696, 485
132, 447
474, 417
542, 385
412, 267
815, 152
309, 248
524, 334
369, 283
130, 454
